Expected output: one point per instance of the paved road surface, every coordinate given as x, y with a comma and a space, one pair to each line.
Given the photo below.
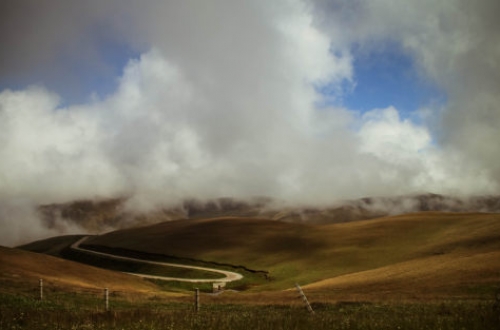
228, 276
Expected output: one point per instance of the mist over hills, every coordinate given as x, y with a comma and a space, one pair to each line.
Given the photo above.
100, 216
329, 249
201, 105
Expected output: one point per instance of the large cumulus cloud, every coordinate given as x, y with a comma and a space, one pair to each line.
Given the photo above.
223, 101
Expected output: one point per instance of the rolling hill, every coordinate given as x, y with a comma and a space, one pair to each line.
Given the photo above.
413, 255
21, 269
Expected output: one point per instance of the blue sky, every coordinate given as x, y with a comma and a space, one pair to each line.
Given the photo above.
102, 79
388, 76
76, 79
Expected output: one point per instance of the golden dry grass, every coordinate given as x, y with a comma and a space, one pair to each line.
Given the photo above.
18, 267
415, 255
450, 254
454, 275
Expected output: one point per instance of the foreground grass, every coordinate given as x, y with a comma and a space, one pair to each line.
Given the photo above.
27, 313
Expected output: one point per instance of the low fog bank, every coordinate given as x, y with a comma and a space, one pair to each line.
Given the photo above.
99, 216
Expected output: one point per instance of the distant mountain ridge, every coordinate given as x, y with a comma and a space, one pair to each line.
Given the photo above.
104, 215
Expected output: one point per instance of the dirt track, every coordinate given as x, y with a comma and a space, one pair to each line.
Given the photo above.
228, 276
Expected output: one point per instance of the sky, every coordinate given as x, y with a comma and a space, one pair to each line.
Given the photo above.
305, 101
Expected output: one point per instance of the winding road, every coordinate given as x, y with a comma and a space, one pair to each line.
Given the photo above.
228, 276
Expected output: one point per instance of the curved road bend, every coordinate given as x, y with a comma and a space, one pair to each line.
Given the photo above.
228, 276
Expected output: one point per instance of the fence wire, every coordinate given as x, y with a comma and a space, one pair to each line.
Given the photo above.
51, 295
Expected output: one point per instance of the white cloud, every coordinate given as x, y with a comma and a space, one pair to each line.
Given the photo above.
391, 139
455, 45
49, 153
413, 162
224, 105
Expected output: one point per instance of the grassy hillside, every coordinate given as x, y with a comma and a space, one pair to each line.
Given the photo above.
21, 269
454, 275
270, 309
446, 254
462, 247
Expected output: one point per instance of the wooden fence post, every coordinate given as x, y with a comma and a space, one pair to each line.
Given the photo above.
197, 300
497, 303
106, 298
304, 298
41, 289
